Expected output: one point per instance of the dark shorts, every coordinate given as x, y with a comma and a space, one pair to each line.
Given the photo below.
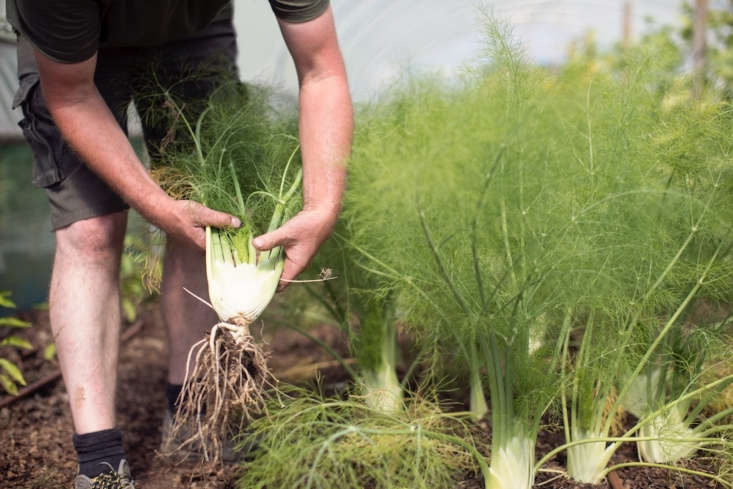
191, 69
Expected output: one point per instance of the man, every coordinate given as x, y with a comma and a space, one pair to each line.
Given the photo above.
80, 63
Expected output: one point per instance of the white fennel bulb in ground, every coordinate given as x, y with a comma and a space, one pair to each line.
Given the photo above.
512, 464
587, 461
671, 437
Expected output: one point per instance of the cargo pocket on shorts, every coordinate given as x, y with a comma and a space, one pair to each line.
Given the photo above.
47, 145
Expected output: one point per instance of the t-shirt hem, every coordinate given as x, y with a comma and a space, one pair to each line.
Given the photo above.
300, 16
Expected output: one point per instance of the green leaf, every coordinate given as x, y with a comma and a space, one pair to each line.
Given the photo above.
8, 385
41, 306
12, 370
16, 341
5, 300
50, 351
13, 322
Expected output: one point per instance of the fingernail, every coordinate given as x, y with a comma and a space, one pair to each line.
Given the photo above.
236, 222
256, 243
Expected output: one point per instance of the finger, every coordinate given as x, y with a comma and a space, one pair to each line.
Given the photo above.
272, 239
210, 217
198, 236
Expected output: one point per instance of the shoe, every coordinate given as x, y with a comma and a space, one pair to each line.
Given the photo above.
107, 480
171, 445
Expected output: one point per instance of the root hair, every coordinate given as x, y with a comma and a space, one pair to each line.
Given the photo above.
225, 387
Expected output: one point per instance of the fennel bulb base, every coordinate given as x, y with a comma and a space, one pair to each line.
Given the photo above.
382, 390
587, 461
225, 385
512, 465
672, 433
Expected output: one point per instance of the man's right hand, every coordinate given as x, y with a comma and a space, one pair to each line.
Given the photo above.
186, 220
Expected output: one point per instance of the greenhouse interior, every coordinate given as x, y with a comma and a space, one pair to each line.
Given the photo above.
366, 245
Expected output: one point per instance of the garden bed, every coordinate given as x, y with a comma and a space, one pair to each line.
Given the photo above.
36, 431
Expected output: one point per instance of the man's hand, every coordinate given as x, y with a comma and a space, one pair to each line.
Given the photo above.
300, 237
186, 220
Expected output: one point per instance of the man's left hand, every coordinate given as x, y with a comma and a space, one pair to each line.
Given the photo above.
300, 238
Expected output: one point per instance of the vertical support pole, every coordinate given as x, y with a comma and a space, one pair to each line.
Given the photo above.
699, 46
626, 26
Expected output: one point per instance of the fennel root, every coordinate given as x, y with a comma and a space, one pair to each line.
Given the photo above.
225, 386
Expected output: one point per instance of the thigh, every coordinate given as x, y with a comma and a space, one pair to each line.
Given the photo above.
182, 75
74, 192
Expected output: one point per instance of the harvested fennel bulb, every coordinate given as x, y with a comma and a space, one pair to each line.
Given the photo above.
229, 373
239, 290
242, 161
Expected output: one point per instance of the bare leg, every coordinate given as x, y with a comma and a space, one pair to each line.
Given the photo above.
84, 306
186, 318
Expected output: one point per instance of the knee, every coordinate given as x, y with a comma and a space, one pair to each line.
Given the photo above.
100, 236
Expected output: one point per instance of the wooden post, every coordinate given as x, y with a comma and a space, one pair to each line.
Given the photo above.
699, 46
626, 26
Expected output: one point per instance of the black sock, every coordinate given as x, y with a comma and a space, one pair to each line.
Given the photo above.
172, 391
97, 449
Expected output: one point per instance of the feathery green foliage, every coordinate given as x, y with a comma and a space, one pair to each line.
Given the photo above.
236, 157
311, 442
527, 202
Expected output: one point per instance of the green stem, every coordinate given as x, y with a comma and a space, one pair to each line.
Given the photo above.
474, 226
478, 406
237, 189
287, 167
196, 141
507, 248
414, 364
712, 419
563, 393
441, 267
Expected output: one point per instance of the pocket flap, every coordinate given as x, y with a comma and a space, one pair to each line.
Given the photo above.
27, 83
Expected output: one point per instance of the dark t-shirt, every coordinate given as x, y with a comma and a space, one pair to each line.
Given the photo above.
71, 31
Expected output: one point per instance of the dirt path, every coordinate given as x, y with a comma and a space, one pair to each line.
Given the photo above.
36, 432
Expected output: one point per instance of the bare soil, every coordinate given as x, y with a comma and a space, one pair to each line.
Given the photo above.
35, 432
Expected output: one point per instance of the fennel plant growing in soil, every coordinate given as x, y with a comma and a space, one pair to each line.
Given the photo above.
649, 244
675, 426
521, 205
366, 312
463, 273
242, 158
